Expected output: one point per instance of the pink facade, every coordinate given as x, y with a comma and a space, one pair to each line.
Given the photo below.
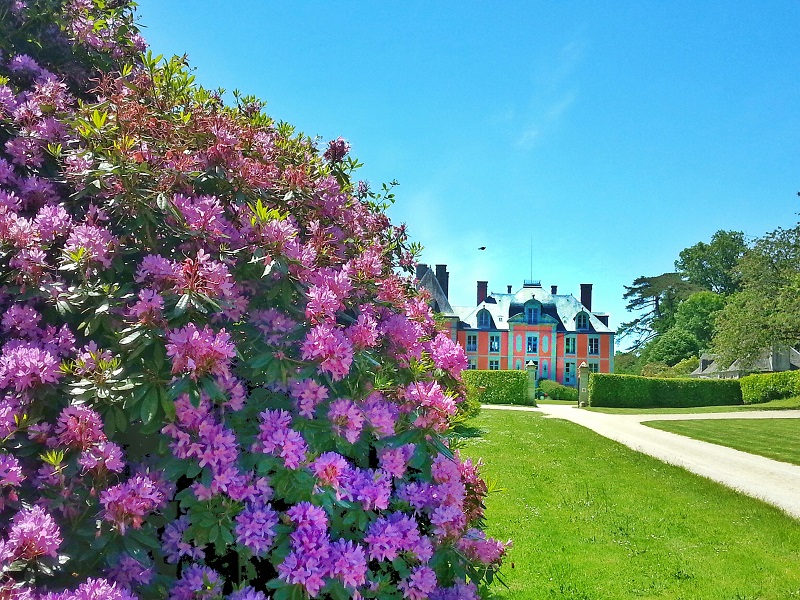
552, 332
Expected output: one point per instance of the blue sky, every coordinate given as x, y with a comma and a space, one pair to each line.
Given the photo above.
612, 135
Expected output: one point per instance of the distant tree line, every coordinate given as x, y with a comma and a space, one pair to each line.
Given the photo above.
727, 297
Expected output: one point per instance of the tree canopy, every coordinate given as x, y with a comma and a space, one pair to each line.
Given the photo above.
658, 297
713, 266
767, 309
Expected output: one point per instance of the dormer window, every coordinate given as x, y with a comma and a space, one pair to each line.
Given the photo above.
484, 319
582, 321
532, 314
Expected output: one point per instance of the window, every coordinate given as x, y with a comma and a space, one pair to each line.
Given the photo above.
582, 321
494, 365
594, 367
494, 343
532, 314
569, 344
484, 319
472, 342
569, 372
532, 344
473, 364
594, 345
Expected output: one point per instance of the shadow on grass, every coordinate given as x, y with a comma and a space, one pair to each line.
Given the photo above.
469, 431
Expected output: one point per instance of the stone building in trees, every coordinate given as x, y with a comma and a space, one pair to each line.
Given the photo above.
508, 330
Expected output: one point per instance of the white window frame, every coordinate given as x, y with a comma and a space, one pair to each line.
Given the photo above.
494, 364
572, 341
472, 347
494, 337
581, 321
531, 337
594, 340
484, 319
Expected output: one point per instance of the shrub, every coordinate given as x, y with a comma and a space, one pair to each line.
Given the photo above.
556, 391
497, 387
631, 391
215, 380
764, 387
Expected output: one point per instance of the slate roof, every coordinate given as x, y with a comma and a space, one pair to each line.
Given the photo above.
765, 363
562, 308
430, 283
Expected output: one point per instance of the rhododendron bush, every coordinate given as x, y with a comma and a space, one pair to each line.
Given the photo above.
216, 377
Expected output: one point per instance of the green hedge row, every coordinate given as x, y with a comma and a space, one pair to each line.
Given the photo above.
632, 391
497, 387
556, 391
770, 386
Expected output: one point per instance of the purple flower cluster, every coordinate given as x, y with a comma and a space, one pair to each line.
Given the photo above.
33, 533
198, 435
243, 326
277, 438
313, 556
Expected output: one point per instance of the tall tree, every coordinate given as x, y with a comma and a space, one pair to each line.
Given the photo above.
713, 266
658, 297
767, 310
697, 315
674, 346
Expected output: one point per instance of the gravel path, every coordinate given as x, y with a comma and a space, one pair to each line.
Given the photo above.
772, 481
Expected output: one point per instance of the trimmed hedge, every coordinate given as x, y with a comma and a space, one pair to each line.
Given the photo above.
556, 391
632, 391
497, 387
763, 387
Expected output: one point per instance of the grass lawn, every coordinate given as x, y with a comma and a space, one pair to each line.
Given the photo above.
784, 404
594, 520
773, 438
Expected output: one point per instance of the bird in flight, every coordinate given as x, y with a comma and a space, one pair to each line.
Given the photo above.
482, 248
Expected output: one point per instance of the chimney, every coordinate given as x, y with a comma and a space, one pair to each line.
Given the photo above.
482, 289
554, 289
509, 289
586, 296
443, 277
421, 268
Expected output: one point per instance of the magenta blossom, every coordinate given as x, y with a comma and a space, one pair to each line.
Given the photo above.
200, 352
33, 533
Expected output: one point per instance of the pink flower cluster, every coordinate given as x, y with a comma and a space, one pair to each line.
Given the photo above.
328, 345
200, 352
127, 504
448, 355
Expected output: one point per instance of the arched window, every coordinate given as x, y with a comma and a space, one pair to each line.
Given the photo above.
582, 321
484, 319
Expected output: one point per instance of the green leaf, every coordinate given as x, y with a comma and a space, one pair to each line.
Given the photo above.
182, 305
167, 404
131, 337
150, 406
120, 418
